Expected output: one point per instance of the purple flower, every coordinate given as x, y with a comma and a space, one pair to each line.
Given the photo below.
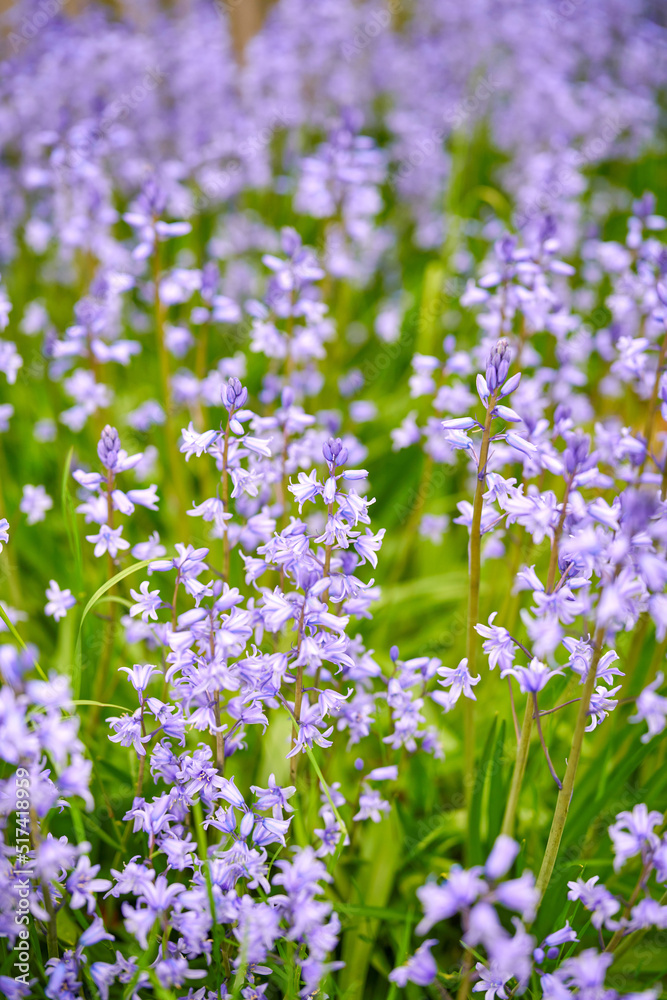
108, 448
420, 968
127, 732
371, 806
647, 913
501, 858
459, 681
433, 527
14, 990
148, 602
533, 677
499, 645
234, 395
632, 833
35, 502
440, 902
152, 549
519, 894
597, 899
82, 885
108, 540
491, 984
308, 733
550, 945
140, 675
652, 709
59, 601
195, 443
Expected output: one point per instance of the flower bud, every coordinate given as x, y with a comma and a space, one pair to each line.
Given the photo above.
234, 395
335, 453
108, 447
247, 824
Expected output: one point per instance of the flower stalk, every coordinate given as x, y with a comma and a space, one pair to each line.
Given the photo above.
519, 770
565, 794
473, 599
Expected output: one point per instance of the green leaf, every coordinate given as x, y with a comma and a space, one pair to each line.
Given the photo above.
475, 853
382, 855
497, 789
327, 792
100, 704
69, 516
116, 844
113, 599
18, 638
145, 958
200, 833
128, 571
97, 596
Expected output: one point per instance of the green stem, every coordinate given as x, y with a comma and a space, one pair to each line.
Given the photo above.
225, 504
142, 757
202, 848
565, 794
620, 932
543, 742
100, 690
553, 560
632, 940
298, 696
466, 971
473, 601
519, 770
52, 924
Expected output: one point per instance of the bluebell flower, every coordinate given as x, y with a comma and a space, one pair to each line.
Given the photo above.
440, 902
491, 984
152, 549
498, 645
35, 502
647, 913
108, 540
371, 805
651, 708
147, 602
140, 676
501, 858
59, 602
420, 968
633, 833
534, 677
459, 682
82, 885
598, 900
195, 443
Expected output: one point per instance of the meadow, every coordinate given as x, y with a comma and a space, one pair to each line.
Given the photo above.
333, 501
